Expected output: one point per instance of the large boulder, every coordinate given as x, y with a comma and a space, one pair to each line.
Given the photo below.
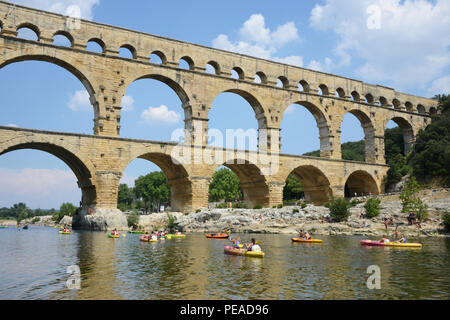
100, 220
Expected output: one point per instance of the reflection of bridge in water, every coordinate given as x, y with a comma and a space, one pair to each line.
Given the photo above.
98, 160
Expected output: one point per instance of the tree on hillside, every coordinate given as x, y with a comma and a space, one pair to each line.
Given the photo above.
153, 189
430, 158
225, 185
353, 151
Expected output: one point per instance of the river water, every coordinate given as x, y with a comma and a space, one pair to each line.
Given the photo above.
33, 265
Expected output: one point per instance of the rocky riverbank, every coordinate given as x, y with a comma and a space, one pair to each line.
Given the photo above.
291, 219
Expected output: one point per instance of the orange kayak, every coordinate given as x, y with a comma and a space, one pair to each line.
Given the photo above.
306, 241
217, 236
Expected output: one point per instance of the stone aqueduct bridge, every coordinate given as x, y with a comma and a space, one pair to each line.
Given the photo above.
98, 160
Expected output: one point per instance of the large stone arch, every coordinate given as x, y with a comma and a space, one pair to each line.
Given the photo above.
315, 183
82, 168
322, 125
254, 184
360, 183
254, 102
87, 83
369, 133
174, 85
407, 131
177, 176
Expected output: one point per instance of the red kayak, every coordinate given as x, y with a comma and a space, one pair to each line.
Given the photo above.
217, 236
390, 244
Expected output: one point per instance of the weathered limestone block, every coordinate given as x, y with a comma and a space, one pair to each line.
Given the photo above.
100, 219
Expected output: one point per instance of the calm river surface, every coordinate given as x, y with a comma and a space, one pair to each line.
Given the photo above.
33, 265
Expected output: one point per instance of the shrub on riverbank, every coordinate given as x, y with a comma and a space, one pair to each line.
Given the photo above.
133, 218
446, 218
411, 201
339, 209
372, 207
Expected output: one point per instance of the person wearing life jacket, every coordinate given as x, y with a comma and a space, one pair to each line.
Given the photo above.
115, 233
402, 239
237, 243
253, 246
384, 239
154, 237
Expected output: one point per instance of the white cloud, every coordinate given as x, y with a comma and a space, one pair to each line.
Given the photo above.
404, 44
42, 188
79, 101
160, 114
255, 39
440, 86
59, 6
127, 103
320, 66
292, 60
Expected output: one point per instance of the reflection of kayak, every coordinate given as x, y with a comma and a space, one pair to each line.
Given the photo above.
62, 232
138, 232
175, 236
243, 252
110, 235
217, 236
390, 244
3, 227
306, 241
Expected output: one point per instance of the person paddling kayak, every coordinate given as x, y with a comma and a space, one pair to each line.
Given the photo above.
253, 246
402, 239
237, 242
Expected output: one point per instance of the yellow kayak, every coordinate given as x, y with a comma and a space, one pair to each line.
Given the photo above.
147, 239
306, 241
175, 236
110, 235
243, 252
62, 232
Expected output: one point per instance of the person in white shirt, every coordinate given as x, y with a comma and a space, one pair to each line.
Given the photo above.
253, 246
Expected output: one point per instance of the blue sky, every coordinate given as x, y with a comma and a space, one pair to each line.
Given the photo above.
406, 48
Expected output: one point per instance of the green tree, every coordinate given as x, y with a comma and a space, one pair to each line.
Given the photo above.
133, 219
153, 189
372, 207
293, 189
410, 200
430, 158
225, 185
67, 209
446, 220
125, 197
339, 209
20, 212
